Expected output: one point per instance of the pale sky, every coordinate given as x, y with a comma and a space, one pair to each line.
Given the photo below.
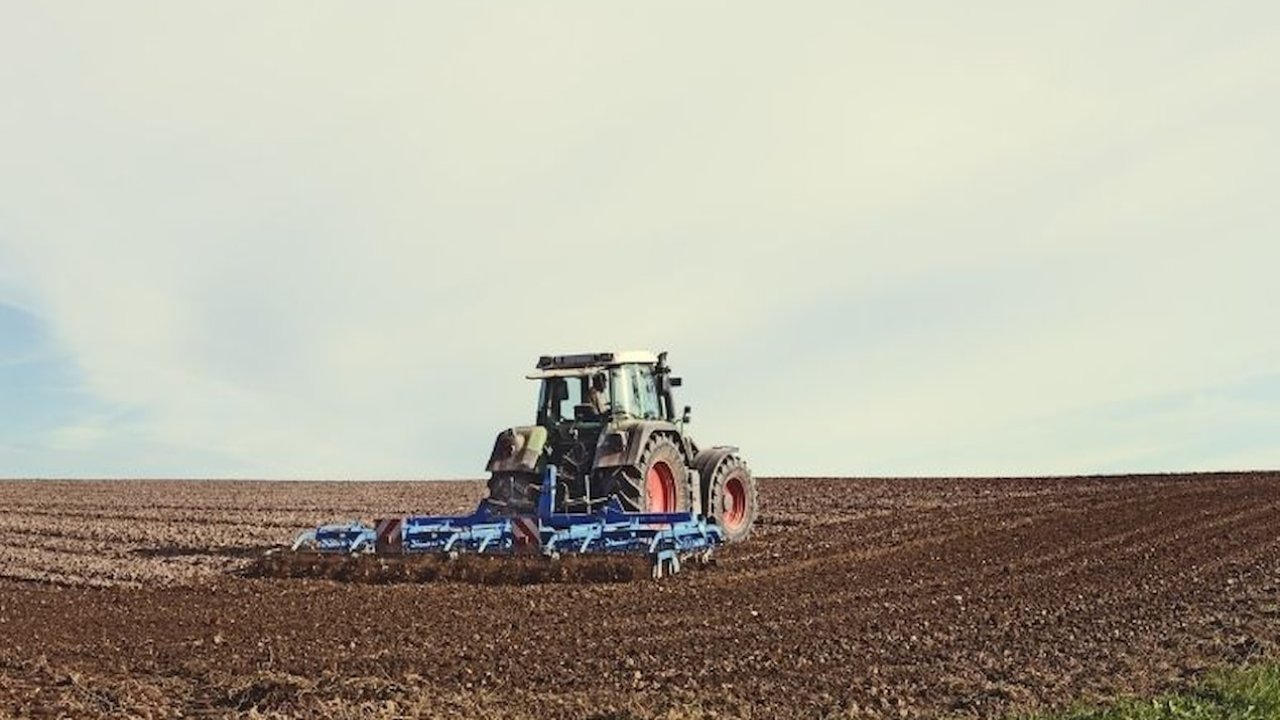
328, 239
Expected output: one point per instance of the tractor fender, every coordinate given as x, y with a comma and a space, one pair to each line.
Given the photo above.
622, 444
518, 449
706, 462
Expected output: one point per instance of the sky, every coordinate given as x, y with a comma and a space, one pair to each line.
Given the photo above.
329, 239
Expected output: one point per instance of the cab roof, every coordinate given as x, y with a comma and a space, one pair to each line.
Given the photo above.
587, 363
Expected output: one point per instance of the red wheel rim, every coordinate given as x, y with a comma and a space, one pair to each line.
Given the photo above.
734, 512
660, 488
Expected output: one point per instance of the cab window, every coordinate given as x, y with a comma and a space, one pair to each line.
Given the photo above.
621, 391
645, 393
559, 396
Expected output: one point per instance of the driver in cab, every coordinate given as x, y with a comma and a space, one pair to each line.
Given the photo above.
598, 395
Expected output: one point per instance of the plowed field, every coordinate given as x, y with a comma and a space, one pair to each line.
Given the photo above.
855, 598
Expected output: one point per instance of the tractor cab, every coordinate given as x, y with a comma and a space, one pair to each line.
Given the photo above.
600, 388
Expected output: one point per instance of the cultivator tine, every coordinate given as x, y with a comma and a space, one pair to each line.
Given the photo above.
305, 539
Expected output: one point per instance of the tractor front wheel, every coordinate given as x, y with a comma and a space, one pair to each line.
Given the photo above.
732, 499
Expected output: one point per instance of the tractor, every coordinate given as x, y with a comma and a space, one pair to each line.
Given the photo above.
608, 423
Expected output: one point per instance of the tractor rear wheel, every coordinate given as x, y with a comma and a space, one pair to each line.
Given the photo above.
659, 483
732, 499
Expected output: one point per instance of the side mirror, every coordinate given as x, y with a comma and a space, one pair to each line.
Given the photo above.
688, 413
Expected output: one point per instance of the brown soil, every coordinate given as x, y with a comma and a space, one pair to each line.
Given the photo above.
477, 569
855, 598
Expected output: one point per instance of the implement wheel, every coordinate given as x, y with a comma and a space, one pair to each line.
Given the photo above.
732, 499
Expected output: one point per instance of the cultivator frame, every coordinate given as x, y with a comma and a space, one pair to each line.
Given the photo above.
665, 538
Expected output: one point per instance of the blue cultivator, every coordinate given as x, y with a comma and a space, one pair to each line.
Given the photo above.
665, 538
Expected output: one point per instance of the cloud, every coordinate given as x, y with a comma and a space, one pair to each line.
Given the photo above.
322, 240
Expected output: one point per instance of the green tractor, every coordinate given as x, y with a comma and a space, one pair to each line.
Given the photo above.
608, 423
